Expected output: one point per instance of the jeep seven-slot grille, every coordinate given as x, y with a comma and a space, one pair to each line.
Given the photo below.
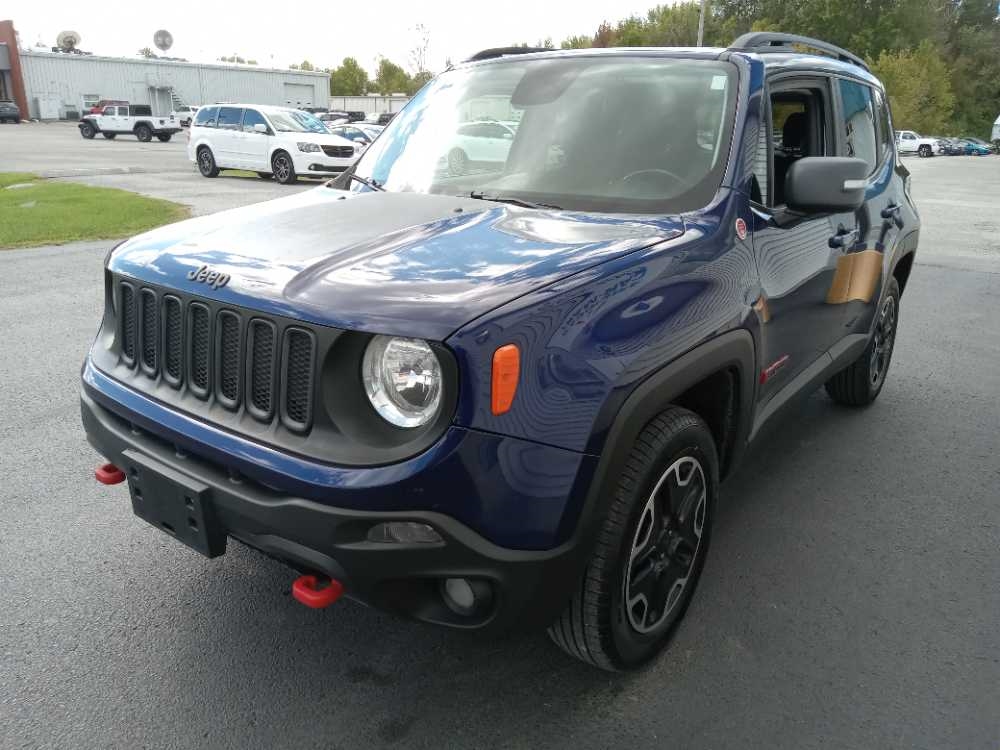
238, 360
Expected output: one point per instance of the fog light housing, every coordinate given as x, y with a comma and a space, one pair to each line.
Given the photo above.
404, 532
466, 596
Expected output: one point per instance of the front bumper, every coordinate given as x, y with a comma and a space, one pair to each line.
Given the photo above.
316, 162
312, 535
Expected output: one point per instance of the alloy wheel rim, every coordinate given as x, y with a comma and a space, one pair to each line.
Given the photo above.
665, 545
281, 168
205, 160
885, 336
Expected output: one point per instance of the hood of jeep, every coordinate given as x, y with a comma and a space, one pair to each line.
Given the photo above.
407, 264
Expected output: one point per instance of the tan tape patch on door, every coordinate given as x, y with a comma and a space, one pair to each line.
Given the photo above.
856, 277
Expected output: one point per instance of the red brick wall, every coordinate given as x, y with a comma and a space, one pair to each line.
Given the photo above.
17, 77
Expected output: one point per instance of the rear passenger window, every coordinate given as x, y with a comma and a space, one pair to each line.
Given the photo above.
229, 118
885, 135
858, 113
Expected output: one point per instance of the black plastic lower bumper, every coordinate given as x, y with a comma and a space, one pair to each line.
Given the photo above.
529, 588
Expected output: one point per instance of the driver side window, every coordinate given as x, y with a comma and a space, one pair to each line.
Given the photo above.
799, 126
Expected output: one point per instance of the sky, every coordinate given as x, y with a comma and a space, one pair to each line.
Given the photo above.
323, 32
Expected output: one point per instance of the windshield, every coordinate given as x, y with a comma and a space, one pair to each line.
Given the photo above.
295, 121
625, 134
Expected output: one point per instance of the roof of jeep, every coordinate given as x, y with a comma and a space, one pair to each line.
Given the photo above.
783, 60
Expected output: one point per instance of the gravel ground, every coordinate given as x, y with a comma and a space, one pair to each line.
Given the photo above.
850, 599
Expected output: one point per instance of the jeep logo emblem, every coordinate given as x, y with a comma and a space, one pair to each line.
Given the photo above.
205, 275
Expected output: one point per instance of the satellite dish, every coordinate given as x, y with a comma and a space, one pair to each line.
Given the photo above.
68, 40
163, 39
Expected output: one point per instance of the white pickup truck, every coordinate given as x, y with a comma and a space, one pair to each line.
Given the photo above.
908, 142
130, 119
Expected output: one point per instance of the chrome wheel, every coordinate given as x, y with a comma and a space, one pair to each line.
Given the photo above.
885, 337
665, 545
205, 161
458, 162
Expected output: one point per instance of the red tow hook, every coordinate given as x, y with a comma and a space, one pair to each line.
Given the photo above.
306, 591
109, 474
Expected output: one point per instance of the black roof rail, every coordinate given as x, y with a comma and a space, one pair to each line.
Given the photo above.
773, 41
489, 54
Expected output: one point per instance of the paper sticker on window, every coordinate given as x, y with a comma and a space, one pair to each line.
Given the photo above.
718, 83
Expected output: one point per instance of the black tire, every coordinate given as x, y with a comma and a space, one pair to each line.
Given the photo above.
87, 130
458, 162
144, 133
265, 175
925, 151
598, 625
206, 162
109, 136
283, 168
163, 137
860, 382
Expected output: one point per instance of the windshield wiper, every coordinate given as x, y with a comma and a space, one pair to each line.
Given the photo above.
366, 182
481, 195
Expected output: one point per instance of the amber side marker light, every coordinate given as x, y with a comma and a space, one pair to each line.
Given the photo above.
506, 370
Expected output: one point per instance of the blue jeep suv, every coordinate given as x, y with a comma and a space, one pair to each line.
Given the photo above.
493, 376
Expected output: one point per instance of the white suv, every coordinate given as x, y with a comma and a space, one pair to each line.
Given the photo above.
271, 141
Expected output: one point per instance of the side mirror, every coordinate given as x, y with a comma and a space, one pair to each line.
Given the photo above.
260, 128
826, 184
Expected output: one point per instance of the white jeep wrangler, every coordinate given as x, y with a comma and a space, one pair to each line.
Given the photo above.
908, 142
132, 119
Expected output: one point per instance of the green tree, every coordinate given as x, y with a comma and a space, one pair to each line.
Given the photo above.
418, 81
391, 78
350, 79
577, 42
147, 53
919, 86
305, 65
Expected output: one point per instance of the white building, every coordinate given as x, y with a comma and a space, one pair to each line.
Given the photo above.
65, 85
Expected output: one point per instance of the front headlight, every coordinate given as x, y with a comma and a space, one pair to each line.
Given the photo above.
402, 378
308, 147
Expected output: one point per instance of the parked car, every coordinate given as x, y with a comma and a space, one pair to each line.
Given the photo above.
9, 111
376, 118
272, 141
951, 147
979, 146
351, 133
478, 144
508, 398
908, 142
129, 119
334, 117
184, 114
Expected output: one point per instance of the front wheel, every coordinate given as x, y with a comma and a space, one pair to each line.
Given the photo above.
860, 382
144, 133
283, 168
109, 136
164, 137
458, 162
87, 130
925, 151
206, 163
650, 549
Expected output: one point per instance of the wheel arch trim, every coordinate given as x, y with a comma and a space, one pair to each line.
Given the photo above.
731, 350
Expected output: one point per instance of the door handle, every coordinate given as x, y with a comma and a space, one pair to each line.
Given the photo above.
893, 213
844, 237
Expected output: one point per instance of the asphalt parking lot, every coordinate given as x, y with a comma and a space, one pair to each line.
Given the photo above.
850, 599
161, 170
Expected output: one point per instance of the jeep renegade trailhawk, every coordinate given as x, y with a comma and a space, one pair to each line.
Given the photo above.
501, 386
